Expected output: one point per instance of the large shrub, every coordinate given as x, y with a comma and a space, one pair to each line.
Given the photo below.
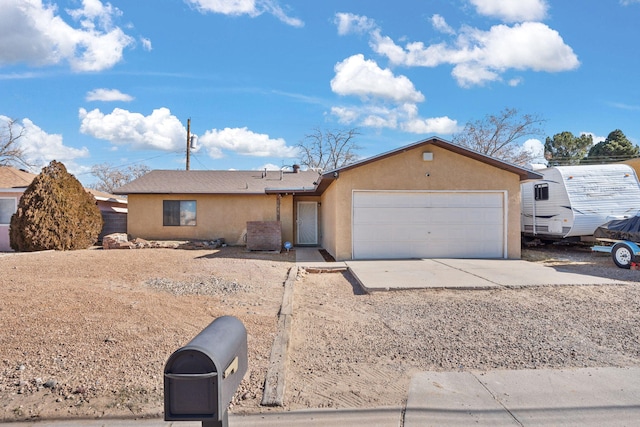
55, 212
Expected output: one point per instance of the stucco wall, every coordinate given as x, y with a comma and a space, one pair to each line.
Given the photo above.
328, 223
217, 216
408, 171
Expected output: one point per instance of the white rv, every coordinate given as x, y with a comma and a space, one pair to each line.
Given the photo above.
572, 201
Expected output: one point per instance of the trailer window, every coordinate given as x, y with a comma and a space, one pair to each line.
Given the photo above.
541, 191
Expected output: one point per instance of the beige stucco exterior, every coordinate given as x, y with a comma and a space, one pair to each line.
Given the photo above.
406, 170
447, 168
217, 216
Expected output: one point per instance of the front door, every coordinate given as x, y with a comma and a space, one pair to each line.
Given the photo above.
307, 223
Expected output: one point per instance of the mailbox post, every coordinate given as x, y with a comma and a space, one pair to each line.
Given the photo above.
201, 378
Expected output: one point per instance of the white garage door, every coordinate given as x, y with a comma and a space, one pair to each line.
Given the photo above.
398, 224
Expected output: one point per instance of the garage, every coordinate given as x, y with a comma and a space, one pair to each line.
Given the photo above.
429, 224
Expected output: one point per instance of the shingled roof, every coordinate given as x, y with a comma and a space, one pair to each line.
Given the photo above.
11, 177
220, 182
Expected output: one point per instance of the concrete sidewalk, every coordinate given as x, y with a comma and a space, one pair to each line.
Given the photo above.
568, 397
587, 397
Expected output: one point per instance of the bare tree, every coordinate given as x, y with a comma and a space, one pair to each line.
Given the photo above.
328, 150
500, 135
11, 153
110, 177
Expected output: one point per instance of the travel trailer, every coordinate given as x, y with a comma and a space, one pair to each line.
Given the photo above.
570, 202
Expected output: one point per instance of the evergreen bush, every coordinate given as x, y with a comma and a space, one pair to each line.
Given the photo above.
55, 212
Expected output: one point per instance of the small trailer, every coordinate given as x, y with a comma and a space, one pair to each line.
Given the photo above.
623, 252
622, 237
570, 202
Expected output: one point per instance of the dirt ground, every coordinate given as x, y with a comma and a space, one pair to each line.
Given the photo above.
87, 333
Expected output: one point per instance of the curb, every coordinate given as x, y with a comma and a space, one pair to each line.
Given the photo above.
274, 383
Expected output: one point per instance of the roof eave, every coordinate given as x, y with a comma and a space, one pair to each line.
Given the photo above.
291, 190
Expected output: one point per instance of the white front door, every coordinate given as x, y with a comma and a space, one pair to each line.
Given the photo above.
307, 223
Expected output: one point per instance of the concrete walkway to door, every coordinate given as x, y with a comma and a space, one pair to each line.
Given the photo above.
381, 275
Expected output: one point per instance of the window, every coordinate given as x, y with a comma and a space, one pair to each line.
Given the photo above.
178, 212
541, 191
7, 208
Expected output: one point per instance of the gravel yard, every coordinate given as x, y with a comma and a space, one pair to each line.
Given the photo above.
87, 333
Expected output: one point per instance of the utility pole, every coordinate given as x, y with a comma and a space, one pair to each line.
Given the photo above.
188, 141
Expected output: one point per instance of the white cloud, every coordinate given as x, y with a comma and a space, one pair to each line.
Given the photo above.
273, 8
404, 117
515, 81
269, 167
535, 148
439, 23
513, 11
227, 7
146, 44
440, 125
158, 131
389, 101
345, 115
595, 137
163, 131
40, 147
35, 33
245, 142
348, 23
481, 56
628, 2
364, 78
252, 8
108, 95
623, 106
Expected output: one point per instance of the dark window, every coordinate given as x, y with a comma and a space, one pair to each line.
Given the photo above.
178, 212
7, 208
541, 191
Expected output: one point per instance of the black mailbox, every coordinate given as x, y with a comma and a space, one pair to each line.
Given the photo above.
201, 378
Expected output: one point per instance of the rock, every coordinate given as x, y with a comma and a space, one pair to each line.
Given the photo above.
141, 243
51, 383
116, 241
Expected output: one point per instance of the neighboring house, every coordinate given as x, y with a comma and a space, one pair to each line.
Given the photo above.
430, 199
13, 183
113, 210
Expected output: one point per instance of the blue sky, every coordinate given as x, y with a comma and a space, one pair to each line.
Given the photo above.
95, 82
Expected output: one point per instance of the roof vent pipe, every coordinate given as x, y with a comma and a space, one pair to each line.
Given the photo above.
296, 168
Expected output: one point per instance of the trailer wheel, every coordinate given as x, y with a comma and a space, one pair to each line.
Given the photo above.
622, 255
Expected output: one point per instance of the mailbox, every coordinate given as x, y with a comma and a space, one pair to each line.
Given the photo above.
201, 378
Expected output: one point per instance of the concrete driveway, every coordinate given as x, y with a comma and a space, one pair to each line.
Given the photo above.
378, 275
382, 275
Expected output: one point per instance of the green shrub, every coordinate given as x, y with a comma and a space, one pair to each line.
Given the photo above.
55, 212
